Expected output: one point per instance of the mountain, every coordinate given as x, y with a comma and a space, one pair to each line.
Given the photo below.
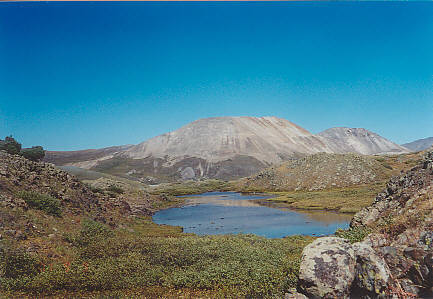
362, 141
221, 147
267, 139
420, 144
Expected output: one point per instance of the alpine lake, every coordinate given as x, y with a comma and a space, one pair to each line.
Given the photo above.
216, 213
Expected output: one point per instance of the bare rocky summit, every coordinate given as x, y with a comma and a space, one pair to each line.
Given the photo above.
359, 140
267, 139
222, 147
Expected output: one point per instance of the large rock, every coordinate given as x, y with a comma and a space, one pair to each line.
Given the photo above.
327, 268
372, 272
333, 268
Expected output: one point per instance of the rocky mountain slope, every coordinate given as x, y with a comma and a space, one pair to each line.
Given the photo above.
46, 185
359, 140
395, 259
222, 147
267, 139
318, 171
420, 144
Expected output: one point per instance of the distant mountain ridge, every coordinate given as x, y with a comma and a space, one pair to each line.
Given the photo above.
360, 140
223, 147
420, 144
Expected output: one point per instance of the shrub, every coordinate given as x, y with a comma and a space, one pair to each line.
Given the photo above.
244, 265
10, 145
387, 166
16, 263
35, 153
94, 189
42, 202
91, 232
353, 234
115, 189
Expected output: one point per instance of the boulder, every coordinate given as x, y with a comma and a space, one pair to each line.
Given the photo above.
372, 273
327, 268
333, 268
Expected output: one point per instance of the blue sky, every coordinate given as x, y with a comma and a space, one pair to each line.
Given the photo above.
90, 75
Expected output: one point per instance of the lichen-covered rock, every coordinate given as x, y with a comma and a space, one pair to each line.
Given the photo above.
372, 273
294, 295
327, 268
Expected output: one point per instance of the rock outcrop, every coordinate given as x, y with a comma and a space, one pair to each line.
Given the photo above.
395, 260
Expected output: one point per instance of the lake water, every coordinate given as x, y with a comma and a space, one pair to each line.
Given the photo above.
215, 213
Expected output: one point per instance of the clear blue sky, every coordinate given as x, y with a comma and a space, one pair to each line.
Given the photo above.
90, 75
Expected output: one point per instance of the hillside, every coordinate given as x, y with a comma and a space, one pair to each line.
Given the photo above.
222, 148
391, 255
31, 185
317, 172
420, 144
65, 157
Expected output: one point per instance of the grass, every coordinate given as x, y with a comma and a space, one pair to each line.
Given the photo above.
191, 187
344, 200
140, 257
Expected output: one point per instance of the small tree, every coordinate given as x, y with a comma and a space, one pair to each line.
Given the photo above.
10, 145
35, 153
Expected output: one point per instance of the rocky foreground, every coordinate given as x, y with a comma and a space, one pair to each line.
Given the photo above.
394, 261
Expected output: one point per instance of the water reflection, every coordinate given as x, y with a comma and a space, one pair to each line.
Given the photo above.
230, 212
220, 200
327, 217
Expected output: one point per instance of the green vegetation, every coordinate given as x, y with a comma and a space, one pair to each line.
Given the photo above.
354, 235
35, 153
42, 202
91, 231
115, 189
344, 200
10, 145
16, 264
191, 187
143, 255
13, 147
